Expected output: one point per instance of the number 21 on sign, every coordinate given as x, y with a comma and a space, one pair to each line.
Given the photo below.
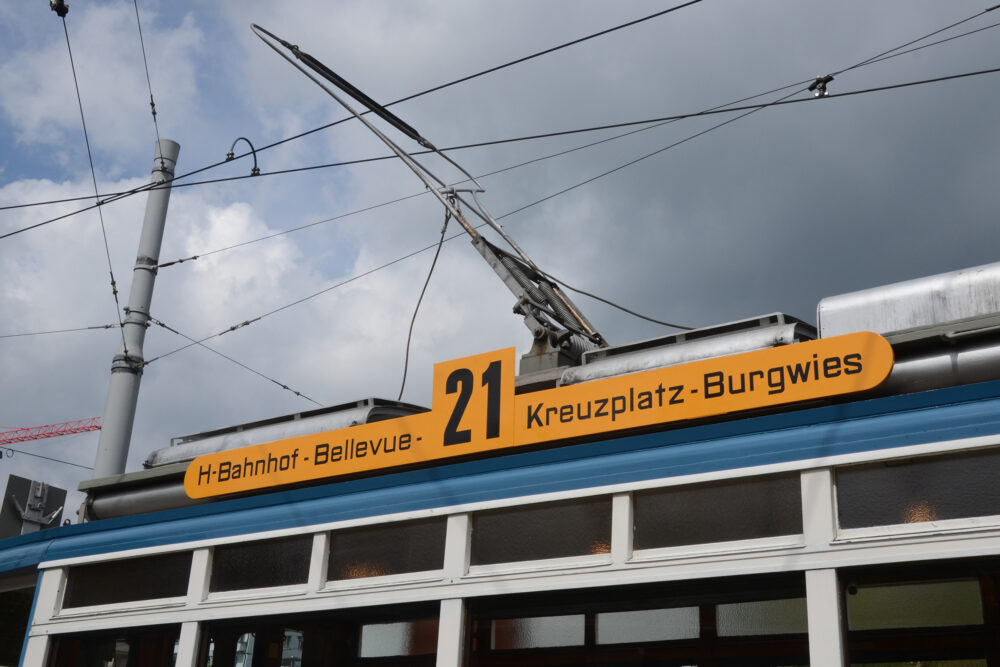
474, 401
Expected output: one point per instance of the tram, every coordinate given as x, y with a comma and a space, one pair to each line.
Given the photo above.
762, 492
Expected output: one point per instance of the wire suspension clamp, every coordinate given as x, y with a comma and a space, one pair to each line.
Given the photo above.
230, 155
818, 87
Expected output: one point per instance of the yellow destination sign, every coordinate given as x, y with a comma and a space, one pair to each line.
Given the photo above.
474, 410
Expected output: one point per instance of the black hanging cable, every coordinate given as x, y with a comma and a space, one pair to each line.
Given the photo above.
56, 331
305, 298
93, 176
749, 110
423, 290
650, 124
120, 195
879, 59
227, 357
880, 56
10, 451
113, 196
752, 110
443, 86
516, 62
546, 135
874, 59
617, 305
481, 176
149, 83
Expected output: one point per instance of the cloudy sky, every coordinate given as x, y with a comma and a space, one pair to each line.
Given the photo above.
769, 213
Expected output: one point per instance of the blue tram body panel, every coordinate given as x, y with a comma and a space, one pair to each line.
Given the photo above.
877, 424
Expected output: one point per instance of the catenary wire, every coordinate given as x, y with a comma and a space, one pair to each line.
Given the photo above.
750, 110
238, 363
464, 79
403, 99
437, 88
416, 309
747, 111
485, 175
870, 61
93, 176
149, 83
56, 331
47, 458
305, 298
878, 58
546, 135
120, 195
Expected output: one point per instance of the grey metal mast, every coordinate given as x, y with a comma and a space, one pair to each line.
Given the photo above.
126, 368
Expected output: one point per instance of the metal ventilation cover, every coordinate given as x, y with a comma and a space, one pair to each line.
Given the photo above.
186, 448
755, 333
948, 305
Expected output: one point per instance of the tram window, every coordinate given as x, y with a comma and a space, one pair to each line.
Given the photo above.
914, 605
281, 562
757, 620
717, 512
244, 650
15, 608
535, 532
919, 490
117, 581
761, 617
648, 625
383, 549
537, 632
382, 640
142, 647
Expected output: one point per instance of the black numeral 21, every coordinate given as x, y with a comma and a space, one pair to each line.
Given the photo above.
461, 381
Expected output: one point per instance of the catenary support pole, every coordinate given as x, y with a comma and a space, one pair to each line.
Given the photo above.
126, 368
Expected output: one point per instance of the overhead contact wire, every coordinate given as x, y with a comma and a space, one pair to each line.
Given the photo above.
11, 450
470, 77
227, 357
149, 83
113, 196
93, 176
56, 331
546, 135
749, 110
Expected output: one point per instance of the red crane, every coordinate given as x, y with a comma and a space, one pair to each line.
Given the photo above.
50, 430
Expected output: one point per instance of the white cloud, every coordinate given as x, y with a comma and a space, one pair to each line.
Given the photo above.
38, 96
770, 213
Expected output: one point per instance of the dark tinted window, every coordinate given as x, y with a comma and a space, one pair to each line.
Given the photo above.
143, 647
914, 605
550, 530
719, 512
918, 490
281, 562
15, 607
148, 578
394, 548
